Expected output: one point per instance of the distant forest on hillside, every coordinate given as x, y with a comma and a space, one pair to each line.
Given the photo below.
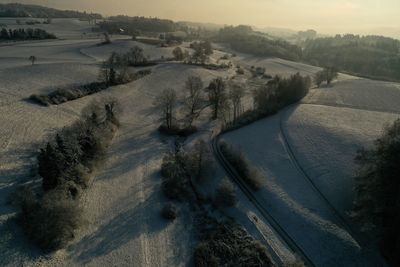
131, 25
21, 10
372, 56
243, 39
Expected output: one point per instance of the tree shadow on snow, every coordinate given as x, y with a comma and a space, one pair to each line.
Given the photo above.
140, 221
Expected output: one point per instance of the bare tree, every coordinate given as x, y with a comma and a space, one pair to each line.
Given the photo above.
136, 56
107, 39
236, 94
194, 100
217, 96
32, 59
331, 74
108, 70
166, 103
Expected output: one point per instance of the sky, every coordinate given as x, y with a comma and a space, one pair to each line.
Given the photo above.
327, 16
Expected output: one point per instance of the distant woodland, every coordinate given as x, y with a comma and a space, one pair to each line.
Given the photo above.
24, 34
34, 11
243, 39
372, 56
133, 25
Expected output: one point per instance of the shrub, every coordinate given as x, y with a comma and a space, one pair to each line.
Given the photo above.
40, 99
175, 183
227, 244
169, 211
204, 256
240, 71
176, 130
50, 222
241, 164
225, 195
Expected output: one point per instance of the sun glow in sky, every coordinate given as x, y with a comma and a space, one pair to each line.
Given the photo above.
328, 16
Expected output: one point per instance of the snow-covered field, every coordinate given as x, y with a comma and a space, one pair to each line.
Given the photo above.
124, 227
307, 155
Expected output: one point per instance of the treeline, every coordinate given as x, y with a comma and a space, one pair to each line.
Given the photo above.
135, 25
25, 34
113, 71
63, 95
270, 98
371, 56
378, 191
35, 11
243, 39
65, 165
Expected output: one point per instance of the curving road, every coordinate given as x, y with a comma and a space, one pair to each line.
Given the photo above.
264, 212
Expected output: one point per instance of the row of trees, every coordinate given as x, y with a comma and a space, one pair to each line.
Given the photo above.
25, 34
202, 51
225, 100
326, 75
280, 92
131, 25
65, 164
14, 10
221, 96
113, 71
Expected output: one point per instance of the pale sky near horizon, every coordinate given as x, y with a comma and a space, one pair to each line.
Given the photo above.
328, 16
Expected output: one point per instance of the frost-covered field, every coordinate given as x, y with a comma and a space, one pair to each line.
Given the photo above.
324, 140
359, 93
315, 143
124, 227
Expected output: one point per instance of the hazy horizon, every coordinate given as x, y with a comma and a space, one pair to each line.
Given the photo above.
341, 16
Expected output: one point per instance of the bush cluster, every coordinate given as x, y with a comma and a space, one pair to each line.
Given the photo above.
175, 184
63, 95
169, 211
65, 165
177, 130
227, 244
238, 160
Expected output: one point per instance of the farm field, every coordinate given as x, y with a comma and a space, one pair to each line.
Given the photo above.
312, 145
305, 153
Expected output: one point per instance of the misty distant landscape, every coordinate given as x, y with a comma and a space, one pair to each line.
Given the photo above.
168, 135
